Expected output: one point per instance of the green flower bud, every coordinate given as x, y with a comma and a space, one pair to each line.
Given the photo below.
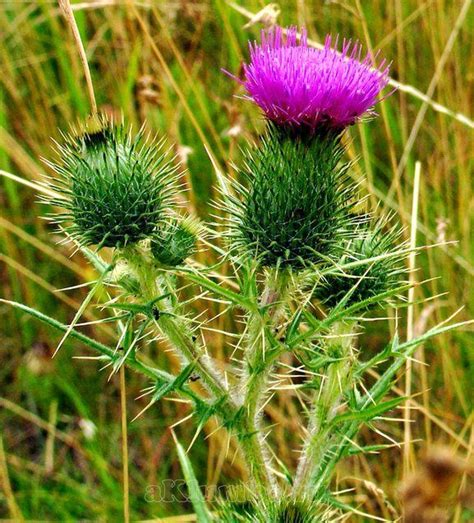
125, 277
367, 280
175, 242
114, 188
284, 510
291, 511
296, 203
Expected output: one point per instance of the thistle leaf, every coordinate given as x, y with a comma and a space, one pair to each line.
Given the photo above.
197, 499
106, 351
369, 413
83, 306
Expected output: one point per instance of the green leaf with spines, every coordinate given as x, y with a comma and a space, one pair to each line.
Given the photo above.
197, 499
368, 413
389, 350
340, 442
219, 290
164, 388
318, 327
368, 449
104, 350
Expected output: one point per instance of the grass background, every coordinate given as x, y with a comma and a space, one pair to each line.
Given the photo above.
161, 62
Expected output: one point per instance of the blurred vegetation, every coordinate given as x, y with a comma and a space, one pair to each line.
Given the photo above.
160, 62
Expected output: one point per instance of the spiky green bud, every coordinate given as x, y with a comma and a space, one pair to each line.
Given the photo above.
368, 280
295, 206
124, 276
115, 188
284, 510
174, 242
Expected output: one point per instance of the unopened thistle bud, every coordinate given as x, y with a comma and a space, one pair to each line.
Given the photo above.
175, 241
284, 510
381, 274
115, 188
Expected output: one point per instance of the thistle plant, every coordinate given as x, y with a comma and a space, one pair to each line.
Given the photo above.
307, 262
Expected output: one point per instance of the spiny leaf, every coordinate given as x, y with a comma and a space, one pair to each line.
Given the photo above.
162, 389
195, 494
101, 348
389, 350
369, 413
233, 297
83, 306
367, 449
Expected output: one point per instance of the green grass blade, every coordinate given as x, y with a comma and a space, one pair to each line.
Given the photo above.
197, 499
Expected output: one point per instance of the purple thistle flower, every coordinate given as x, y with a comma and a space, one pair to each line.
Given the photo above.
297, 85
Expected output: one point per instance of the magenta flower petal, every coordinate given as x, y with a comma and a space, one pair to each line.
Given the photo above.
297, 85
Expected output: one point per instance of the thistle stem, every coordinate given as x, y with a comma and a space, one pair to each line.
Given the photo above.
252, 445
244, 416
176, 331
326, 403
123, 409
177, 334
260, 356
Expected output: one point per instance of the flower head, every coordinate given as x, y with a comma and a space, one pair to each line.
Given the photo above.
175, 241
114, 188
296, 85
378, 280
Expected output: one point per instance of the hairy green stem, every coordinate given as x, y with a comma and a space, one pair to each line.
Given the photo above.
176, 331
260, 356
177, 334
251, 434
248, 433
232, 413
326, 403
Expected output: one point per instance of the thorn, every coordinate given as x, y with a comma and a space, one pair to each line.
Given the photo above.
182, 420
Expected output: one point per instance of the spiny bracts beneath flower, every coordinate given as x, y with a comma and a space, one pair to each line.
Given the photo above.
297, 85
174, 242
367, 280
115, 189
285, 510
296, 205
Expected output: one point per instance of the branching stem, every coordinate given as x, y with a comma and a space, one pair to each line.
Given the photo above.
176, 331
243, 419
326, 403
260, 356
